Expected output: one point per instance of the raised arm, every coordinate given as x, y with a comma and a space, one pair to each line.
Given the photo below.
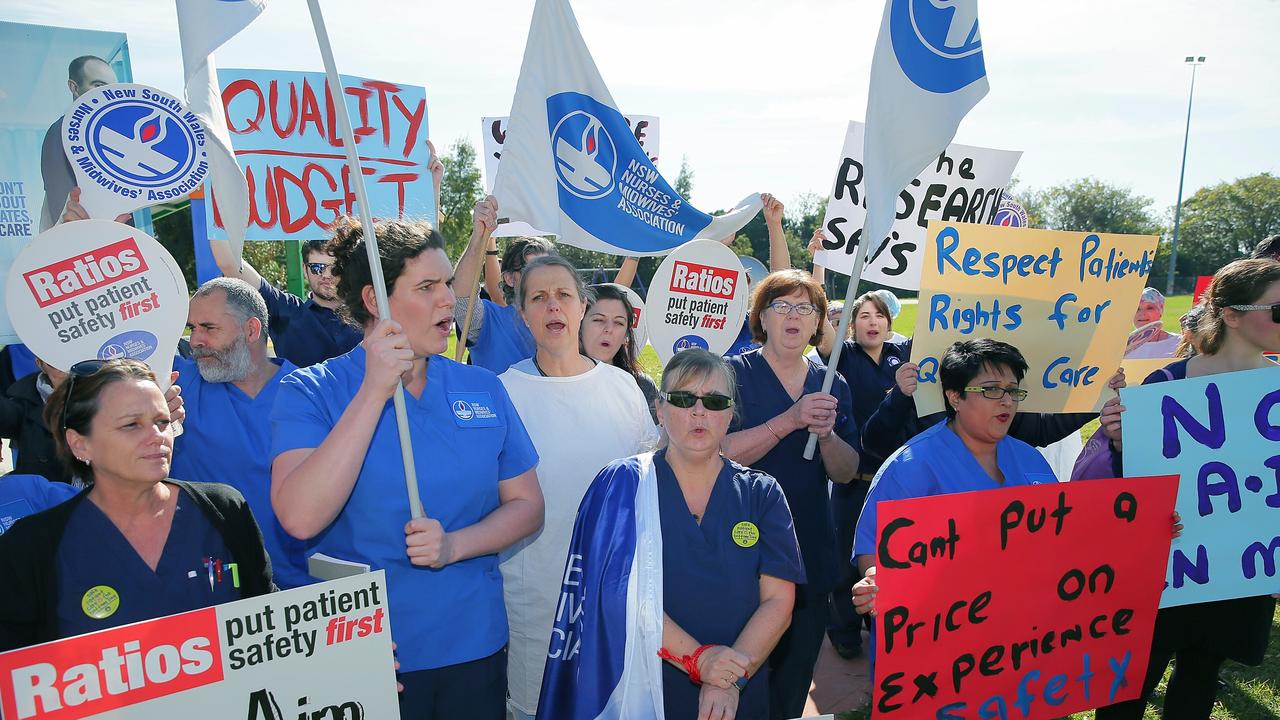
779, 254
627, 272
484, 219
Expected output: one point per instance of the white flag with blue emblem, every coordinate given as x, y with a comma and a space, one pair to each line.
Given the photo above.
572, 167
927, 73
203, 26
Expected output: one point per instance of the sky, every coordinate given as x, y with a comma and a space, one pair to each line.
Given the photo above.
757, 94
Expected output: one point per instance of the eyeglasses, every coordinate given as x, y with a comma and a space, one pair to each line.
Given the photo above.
713, 402
319, 268
1275, 310
995, 392
782, 307
84, 368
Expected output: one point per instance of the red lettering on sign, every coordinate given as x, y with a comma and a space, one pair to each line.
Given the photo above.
80, 274
703, 280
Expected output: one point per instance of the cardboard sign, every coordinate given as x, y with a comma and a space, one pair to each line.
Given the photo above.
318, 651
132, 146
98, 289
1064, 626
1221, 433
284, 128
697, 298
1063, 299
965, 184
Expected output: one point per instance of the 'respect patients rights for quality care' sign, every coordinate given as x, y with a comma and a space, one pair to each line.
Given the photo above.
321, 651
1067, 626
1064, 299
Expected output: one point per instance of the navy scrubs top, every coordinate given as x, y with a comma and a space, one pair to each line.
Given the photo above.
711, 571
303, 332
103, 583
869, 381
743, 343
761, 396
504, 339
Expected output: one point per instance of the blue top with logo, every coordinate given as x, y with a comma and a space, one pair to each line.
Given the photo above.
303, 332
467, 437
23, 495
938, 47
223, 422
504, 339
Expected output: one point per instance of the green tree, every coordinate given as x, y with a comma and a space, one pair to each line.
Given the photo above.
684, 181
1090, 205
1223, 222
460, 189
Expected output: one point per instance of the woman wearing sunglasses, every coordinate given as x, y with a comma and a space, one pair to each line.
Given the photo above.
1240, 321
135, 544
782, 402
728, 566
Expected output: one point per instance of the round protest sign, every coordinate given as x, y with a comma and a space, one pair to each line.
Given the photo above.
98, 289
639, 321
1011, 214
697, 298
132, 146
755, 269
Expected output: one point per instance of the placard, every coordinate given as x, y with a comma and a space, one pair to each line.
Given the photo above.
1064, 623
1063, 299
639, 320
1221, 433
321, 651
697, 298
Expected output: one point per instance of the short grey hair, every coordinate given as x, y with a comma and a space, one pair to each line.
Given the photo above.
243, 300
690, 368
553, 260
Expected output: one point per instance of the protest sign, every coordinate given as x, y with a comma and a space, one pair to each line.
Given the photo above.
965, 184
639, 320
1067, 627
697, 298
1063, 299
284, 128
493, 133
1221, 433
132, 146
1011, 214
1202, 284
320, 651
98, 289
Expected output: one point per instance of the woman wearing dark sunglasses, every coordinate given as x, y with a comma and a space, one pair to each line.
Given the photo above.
1240, 322
135, 544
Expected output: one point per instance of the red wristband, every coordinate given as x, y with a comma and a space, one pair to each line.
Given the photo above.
688, 662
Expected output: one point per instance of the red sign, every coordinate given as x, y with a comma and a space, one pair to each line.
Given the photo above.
77, 275
1202, 283
705, 280
1028, 602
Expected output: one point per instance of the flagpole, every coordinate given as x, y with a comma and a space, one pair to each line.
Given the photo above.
370, 244
855, 276
474, 297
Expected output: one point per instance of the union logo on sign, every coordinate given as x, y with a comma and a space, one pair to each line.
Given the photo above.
937, 42
140, 142
585, 156
689, 341
462, 410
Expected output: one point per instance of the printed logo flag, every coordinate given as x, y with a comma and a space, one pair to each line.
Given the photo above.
572, 166
203, 26
927, 73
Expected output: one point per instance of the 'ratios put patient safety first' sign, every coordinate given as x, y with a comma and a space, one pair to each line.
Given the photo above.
321, 651
697, 298
1064, 299
98, 289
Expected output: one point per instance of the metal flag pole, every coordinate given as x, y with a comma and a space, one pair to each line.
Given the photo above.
370, 244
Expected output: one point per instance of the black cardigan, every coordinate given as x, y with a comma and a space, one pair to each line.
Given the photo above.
22, 421
29, 580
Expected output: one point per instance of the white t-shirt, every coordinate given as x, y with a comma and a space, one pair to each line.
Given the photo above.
578, 425
1155, 349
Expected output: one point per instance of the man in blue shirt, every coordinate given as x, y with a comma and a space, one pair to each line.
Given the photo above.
229, 387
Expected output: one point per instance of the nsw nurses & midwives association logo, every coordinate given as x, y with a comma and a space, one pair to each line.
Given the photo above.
462, 410
585, 156
937, 42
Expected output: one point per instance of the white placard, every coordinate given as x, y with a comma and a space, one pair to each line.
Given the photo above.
697, 298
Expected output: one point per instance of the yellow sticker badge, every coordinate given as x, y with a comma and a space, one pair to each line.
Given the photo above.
100, 602
746, 534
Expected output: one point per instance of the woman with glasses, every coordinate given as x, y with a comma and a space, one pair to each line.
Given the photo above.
726, 559
581, 414
1240, 322
135, 544
608, 336
781, 403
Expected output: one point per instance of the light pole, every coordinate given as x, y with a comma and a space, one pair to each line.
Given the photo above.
1194, 62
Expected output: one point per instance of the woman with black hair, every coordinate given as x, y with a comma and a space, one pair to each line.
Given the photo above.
608, 335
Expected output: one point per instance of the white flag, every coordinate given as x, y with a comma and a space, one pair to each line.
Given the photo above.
203, 26
927, 73
572, 167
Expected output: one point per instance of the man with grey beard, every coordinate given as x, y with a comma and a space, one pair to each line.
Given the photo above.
229, 386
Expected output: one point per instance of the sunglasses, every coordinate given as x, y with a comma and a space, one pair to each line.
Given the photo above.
84, 368
995, 392
713, 402
1275, 310
318, 268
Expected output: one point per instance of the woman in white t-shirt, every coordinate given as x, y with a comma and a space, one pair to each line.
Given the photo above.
582, 414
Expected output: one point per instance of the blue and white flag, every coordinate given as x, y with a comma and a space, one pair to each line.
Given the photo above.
571, 165
927, 73
602, 662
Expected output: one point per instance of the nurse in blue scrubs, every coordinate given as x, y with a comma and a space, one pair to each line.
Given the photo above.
781, 403
337, 475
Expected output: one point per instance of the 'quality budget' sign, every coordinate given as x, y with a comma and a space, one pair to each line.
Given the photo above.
285, 132
318, 652
1064, 299
965, 184
1221, 433
1069, 628
697, 298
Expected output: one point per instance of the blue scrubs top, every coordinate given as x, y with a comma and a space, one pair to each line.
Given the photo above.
303, 332
761, 396
743, 343
23, 495
100, 573
224, 424
504, 339
466, 438
869, 381
697, 557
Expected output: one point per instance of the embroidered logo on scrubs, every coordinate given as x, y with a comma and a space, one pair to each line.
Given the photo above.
746, 534
100, 602
894, 362
473, 409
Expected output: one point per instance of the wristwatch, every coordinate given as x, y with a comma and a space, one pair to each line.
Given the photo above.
741, 684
